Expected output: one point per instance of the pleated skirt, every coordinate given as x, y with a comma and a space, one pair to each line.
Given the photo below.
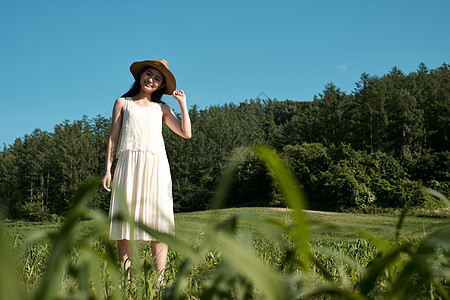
143, 179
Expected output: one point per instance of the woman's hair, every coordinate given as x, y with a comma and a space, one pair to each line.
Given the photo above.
136, 87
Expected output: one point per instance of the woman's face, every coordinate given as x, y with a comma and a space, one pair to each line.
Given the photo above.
151, 80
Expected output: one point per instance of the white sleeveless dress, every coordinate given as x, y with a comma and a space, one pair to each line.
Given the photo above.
142, 173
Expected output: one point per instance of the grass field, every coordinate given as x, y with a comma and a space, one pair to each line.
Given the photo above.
337, 232
243, 253
237, 253
328, 226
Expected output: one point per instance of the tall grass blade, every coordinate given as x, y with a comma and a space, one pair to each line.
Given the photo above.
244, 261
438, 195
427, 263
10, 285
264, 226
62, 240
401, 218
294, 198
376, 269
237, 157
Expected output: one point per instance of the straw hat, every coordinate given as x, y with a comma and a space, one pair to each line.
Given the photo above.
159, 64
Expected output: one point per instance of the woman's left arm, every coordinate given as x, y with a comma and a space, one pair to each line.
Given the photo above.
183, 127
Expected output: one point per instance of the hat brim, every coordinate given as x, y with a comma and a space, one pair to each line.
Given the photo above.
171, 83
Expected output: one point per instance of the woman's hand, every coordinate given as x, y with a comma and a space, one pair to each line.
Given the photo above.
180, 96
182, 128
107, 181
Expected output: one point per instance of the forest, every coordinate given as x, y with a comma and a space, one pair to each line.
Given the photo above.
380, 146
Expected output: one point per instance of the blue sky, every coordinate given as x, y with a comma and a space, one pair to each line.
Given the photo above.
65, 59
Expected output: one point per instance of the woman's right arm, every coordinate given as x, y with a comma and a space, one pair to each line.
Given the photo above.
116, 125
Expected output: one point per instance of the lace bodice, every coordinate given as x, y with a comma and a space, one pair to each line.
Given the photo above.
141, 128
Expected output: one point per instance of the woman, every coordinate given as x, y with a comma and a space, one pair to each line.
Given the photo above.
142, 172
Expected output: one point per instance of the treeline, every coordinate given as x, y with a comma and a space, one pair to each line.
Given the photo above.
377, 146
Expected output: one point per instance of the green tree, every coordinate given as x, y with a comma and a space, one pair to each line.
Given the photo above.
370, 118
330, 119
74, 162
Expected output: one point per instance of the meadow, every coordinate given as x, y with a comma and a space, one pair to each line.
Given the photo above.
237, 253
324, 226
334, 230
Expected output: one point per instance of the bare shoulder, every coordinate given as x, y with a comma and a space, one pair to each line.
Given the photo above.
120, 100
165, 108
120, 103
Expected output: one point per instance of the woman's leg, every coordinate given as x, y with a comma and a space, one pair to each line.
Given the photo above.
124, 253
159, 253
